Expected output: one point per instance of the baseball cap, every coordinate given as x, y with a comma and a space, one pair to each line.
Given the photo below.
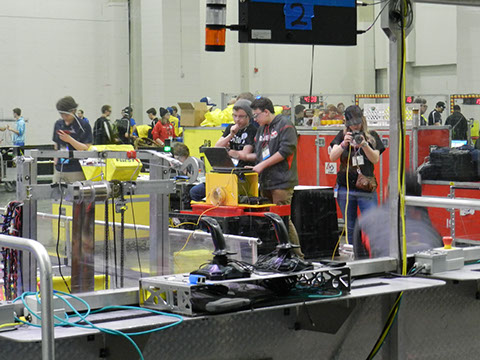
353, 115
440, 104
207, 100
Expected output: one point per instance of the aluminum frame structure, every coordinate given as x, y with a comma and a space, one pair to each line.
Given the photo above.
158, 188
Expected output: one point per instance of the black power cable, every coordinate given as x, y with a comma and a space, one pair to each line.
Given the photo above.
311, 78
370, 4
122, 236
114, 237
376, 18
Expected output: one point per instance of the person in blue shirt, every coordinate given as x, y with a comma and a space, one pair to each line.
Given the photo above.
70, 133
129, 132
81, 115
18, 134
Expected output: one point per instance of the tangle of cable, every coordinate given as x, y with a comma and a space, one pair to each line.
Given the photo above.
84, 323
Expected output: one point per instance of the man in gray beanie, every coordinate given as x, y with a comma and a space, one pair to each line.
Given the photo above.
239, 138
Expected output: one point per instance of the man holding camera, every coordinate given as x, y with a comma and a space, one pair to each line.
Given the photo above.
358, 150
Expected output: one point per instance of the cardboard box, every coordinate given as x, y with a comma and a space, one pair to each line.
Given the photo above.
192, 113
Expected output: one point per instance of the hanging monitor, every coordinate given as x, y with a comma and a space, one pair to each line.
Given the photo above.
319, 22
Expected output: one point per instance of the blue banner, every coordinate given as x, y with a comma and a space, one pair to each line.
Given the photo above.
336, 3
298, 16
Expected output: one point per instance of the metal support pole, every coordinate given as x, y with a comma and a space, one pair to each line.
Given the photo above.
292, 108
414, 151
27, 175
46, 287
452, 215
159, 244
394, 34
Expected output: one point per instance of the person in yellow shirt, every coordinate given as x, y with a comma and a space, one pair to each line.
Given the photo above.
175, 120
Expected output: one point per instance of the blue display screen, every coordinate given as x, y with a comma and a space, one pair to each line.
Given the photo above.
458, 143
299, 13
338, 3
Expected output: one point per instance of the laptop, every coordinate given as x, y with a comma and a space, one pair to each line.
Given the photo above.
458, 143
221, 162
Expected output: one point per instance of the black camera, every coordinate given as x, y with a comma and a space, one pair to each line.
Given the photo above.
358, 137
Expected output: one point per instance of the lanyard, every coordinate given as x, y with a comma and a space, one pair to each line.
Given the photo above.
265, 142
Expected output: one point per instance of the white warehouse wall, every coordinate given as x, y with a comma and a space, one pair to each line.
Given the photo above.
177, 68
468, 51
52, 48
49, 49
442, 53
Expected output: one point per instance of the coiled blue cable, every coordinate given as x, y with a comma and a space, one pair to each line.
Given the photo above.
90, 325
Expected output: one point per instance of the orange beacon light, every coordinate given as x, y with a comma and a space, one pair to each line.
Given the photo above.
215, 26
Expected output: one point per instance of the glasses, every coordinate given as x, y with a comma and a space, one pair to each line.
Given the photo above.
235, 116
255, 115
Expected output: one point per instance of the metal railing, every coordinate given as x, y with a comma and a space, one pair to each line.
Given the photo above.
441, 202
46, 286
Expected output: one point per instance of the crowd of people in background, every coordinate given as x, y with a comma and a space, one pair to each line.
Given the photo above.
260, 138
165, 123
124, 130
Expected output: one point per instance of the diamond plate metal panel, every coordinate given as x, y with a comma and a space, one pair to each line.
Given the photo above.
442, 323
436, 323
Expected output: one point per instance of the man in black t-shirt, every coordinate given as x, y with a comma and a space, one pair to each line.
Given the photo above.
70, 133
239, 138
435, 116
103, 131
